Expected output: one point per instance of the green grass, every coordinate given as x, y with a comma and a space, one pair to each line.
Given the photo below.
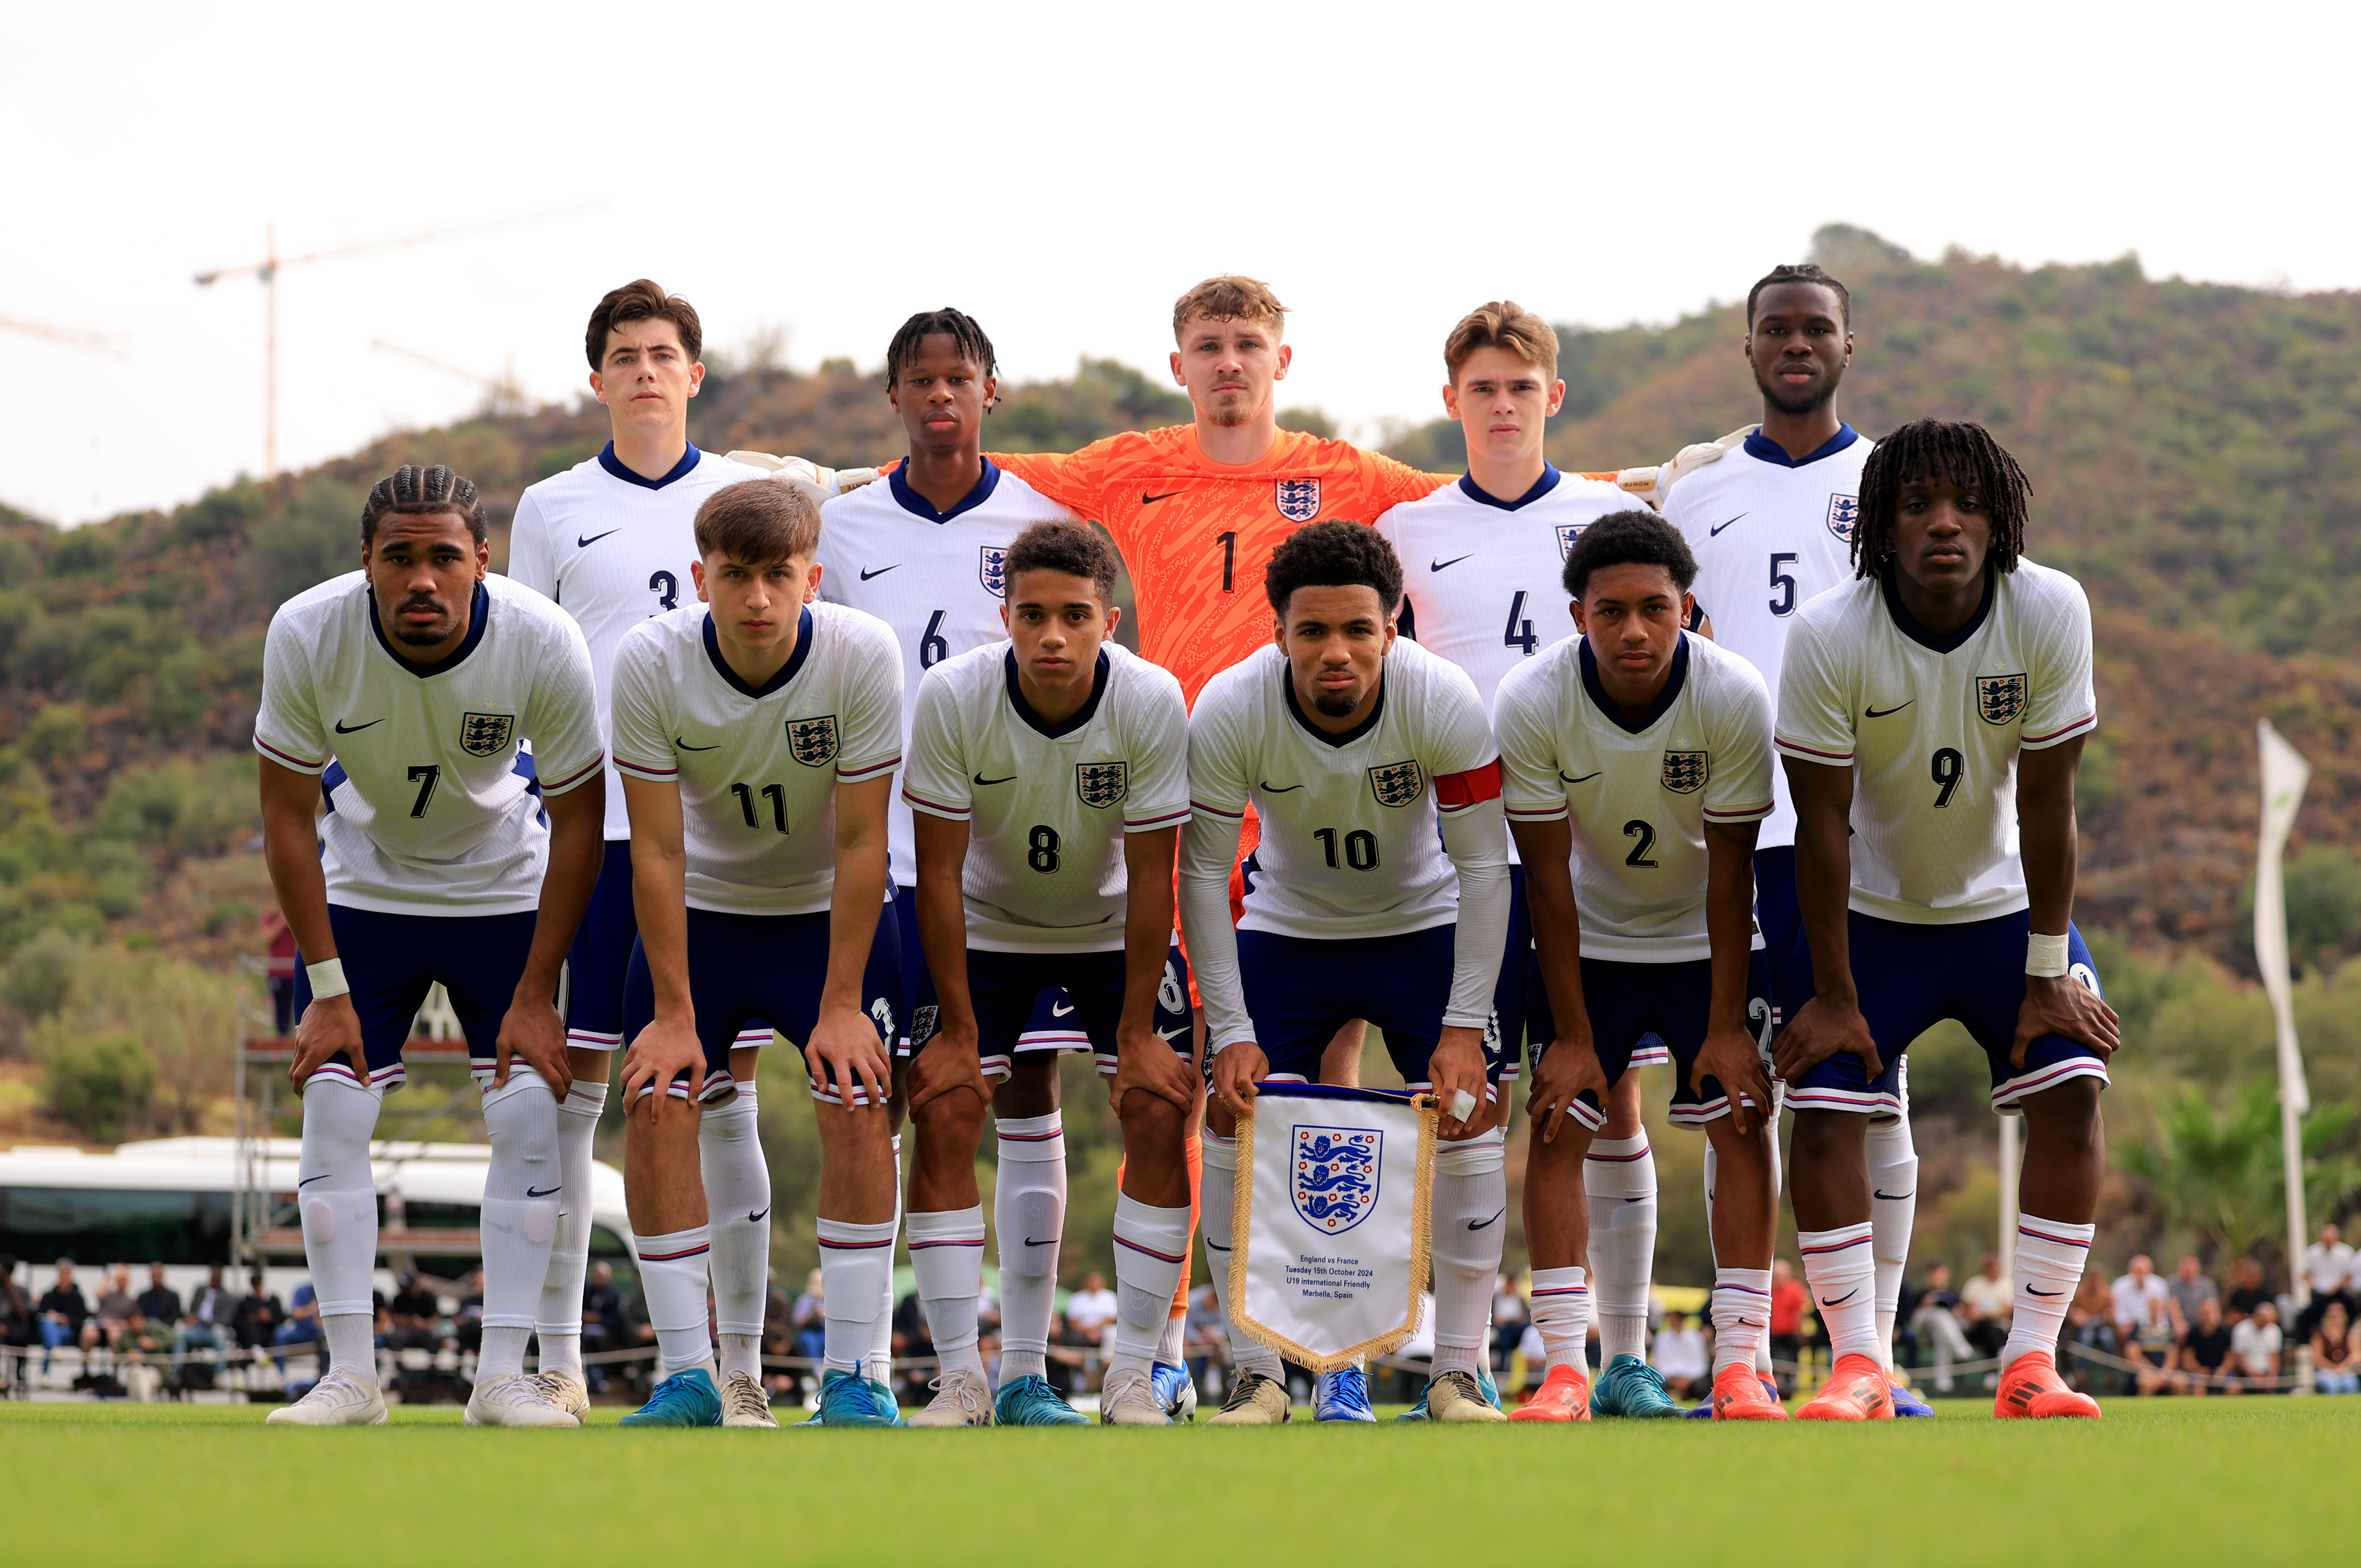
2218, 1480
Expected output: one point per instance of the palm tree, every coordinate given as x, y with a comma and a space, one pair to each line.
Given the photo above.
2218, 1175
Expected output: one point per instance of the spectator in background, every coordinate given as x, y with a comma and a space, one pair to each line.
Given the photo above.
16, 1309
159, 1303
2090, 1322
2187, 1287
2254, 1346
602, 1323
2328, 1269
301, 1328
468, 1323
1937, 1326
257, 1316
1679, 1356
278, 970
1990, 1298
1092, 1311
1789, 1301
2204, 1359
64, 1312
2144, 1326
113, 1309
2335, 1362
207, 1322
811, 1319
414, 1316
2247, 1290
1205, 1332
1510, 1316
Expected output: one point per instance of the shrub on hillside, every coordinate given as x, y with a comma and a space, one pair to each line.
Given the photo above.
101, 1085
41, 975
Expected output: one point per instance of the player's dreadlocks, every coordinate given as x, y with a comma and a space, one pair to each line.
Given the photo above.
1932, 449
1801, 272
958, 325
1334, 555
411, 490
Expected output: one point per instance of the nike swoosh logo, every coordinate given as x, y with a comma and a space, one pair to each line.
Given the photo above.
1057, 1012
1881, 712
1030, 1242
1438, 566
1893, 1197
1172, 1034
309, 1179
1843, 1298
1715, 531
546, 1192
1147, 500
582, 543
345, 728
880, 571
982, 779
1479, 1225
686, 747
756, 1219
1270, 788
2031, 1290
1749, 1322
1584, 779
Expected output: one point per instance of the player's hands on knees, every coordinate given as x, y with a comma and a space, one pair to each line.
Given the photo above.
1820, 1029
1569, 1067
1456, 1068
1146, 1061
1731, 1057
1236, 1070
844, 1050
660, 1053
949, 1062
532, 1029
329, 1025
2060, 1004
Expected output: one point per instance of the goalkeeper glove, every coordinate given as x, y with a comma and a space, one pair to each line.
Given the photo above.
1653, 484
802, 474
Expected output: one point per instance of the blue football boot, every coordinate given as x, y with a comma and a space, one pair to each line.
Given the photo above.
1178, 1391
684, 1400
1343, 1397
848, 1399
1029, 1401
1629, 1387
1907, 1401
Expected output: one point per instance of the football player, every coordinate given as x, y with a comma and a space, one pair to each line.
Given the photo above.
1932, 716
1049, 776
401, 692
757, 735
611, 540
1638, 761
1379, 891
1481, 565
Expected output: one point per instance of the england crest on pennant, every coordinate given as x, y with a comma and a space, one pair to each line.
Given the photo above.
1397, 783
1336, 1179
1298, 500
1684, 772
992, 567
2000, 700
1844, 511
486, 734
1101, 783
812, 741
1567, 532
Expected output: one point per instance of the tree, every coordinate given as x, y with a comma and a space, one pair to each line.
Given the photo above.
2219, 1175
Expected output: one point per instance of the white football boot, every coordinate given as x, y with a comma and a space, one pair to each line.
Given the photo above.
1130, 1399
962, 1399
339, 1399
743, 1403
565, 1391
515, 1400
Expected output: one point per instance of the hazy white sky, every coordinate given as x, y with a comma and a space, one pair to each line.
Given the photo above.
1062, 172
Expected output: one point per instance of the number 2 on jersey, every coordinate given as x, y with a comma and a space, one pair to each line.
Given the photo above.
1520, 631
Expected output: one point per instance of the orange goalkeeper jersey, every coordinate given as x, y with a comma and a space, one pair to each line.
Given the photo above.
1197, 534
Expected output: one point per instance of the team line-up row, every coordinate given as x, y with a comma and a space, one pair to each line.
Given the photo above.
741, 745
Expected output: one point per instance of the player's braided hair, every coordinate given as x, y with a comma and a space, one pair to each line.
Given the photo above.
1931, 449
1801, 272
1334, 555
1074, 548
411, 490
958, 325
1637, 537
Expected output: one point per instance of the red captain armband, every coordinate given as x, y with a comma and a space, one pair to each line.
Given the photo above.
1457, 792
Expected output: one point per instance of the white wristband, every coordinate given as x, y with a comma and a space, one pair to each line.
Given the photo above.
328, 978
2044, 956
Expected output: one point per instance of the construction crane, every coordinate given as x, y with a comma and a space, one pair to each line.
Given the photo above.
266, 272
503, 393
108, 343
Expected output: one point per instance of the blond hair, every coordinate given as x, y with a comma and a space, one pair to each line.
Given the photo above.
1501, 323
1229, 297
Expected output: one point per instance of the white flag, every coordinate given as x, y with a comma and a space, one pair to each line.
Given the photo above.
2284, 774
1331, 1234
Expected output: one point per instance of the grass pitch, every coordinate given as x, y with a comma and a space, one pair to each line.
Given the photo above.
2217, 1480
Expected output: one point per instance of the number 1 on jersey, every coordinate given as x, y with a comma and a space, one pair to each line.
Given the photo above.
1229, 542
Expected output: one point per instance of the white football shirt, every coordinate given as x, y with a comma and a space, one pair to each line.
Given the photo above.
758, 767
613, 549
431, 809
1483, 578
934, 577
1048, 805
1931, 727
1770, 533
1640, 797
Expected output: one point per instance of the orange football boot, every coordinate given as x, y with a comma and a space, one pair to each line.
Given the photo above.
2031, 1389
1739, 1395
1856, 1391
1564, 1395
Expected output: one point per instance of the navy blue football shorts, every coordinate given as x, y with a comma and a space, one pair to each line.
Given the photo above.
392, 961
1049, 1026
1301, 990
599, 962
1085, 991
1670, 1004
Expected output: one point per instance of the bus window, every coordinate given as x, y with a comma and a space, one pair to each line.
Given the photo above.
99, 1225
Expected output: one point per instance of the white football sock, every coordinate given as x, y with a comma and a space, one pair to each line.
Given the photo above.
878, 1366
855, 1262
740, 1353
947, 1255
522, 1193
1171, 1345
1218, 1200
2049, 1259
337, 1197
1841, 1271
502, 1355
1892, 1206
558, 1318
352, 1339
673, 1282
1618, 1182
1028, 1210
1150, 1247
1741, 1316
1470, 1218
1561, 1317
738, 1210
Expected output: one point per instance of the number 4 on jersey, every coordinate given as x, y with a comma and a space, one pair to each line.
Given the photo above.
1520, 631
